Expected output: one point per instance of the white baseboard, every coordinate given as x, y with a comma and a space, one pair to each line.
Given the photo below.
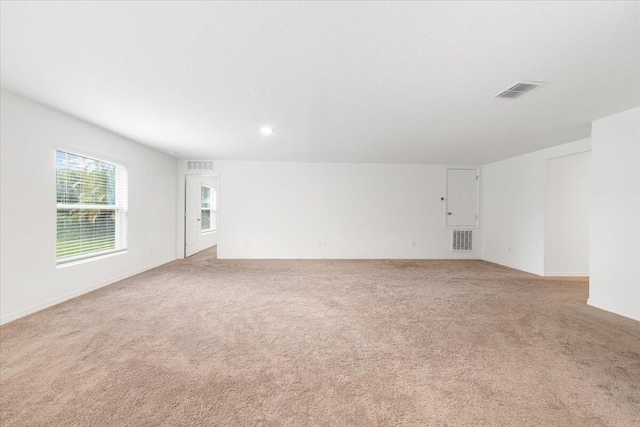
13, 316
62, 298
504, 264
631, 314
552, 274
237, 256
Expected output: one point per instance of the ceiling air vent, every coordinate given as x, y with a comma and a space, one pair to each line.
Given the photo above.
199, 165
517, 89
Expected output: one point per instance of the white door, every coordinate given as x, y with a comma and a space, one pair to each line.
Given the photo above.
462, 198
192, 215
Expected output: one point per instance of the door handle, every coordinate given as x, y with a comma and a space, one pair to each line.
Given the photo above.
448, 213
199, 218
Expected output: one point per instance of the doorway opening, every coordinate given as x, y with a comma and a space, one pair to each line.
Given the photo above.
201, 225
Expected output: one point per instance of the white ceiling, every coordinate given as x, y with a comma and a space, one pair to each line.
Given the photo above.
339, 81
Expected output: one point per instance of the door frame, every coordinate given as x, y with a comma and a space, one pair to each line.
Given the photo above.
182, 209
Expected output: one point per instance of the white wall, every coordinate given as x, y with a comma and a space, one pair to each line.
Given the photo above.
566, 226
30, 279
332, 210
615, 214
513, 207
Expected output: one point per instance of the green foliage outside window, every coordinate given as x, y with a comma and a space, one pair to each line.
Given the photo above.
82, 181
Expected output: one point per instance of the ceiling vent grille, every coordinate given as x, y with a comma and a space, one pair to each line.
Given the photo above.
517, 89
462, 241
199, 165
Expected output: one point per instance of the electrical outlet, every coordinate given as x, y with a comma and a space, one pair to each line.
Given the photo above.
413, 243
509, 248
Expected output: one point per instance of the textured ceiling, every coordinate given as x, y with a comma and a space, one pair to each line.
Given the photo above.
339, 81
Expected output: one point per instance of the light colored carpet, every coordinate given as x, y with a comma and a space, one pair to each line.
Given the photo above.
299, 343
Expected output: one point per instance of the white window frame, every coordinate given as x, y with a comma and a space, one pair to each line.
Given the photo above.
121, 208
213, 194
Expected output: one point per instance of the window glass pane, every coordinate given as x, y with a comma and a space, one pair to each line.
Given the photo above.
84, 231
91, 206
206, 197
84, 180
214, 199
206, 220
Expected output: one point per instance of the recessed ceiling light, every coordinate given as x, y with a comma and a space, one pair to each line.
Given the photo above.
173, 152
266, 130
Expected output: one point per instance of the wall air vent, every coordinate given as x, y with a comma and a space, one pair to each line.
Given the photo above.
462, 241
199, 165
517, 89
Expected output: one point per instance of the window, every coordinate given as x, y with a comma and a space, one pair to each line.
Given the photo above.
208, 211
92, 207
